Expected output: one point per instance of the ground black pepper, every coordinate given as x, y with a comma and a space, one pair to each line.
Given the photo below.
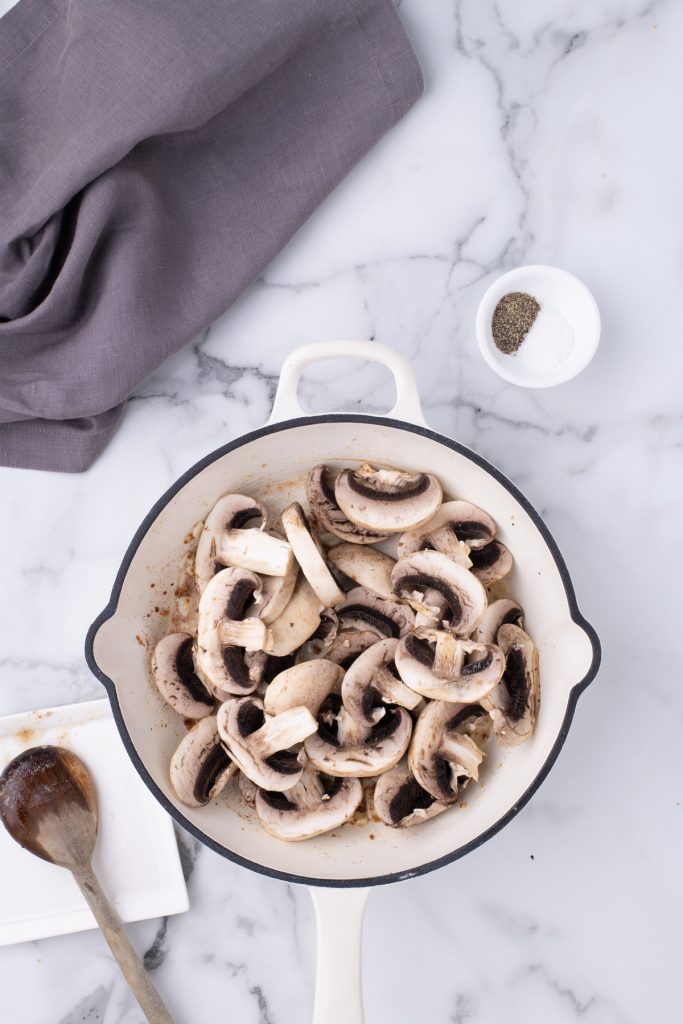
512, 319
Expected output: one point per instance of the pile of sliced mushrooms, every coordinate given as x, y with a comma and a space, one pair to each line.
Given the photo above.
331, 676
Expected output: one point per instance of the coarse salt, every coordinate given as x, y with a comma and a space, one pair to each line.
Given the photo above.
549, 342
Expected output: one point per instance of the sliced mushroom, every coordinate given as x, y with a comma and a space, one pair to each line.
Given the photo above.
304, 685
248, 789
263, 667
364, 610
309, 556
387, 500
298, 622
463, 593
251, 634
513, 705
499, 613
313, 806
430, 607
446, 747
256, 550
372, 682
221, 632
319, 643
320, 495
343, 747
232, 511
261, 746
174, 674
200, 767
491, 563
276, 595
348, 646
455, 529
367, 567
401, 801
441, 666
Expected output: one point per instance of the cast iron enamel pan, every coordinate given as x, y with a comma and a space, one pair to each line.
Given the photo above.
271, 463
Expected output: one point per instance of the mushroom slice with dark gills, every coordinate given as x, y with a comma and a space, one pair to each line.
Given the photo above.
343, 747
364, 610
441, 666
260, 745
401, 801
513, 704
232, 511
455, 529
446, 747
499, 613
431, 571
223, 635
200, 767
320, 495
387, 500
372, 682
348, 646
309, 556
304, 685
315, 805
175, 677
367, 567
491, 563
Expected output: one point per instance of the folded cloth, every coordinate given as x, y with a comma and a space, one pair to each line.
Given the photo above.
154, 156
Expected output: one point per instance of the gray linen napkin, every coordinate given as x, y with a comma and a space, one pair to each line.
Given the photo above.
154, 156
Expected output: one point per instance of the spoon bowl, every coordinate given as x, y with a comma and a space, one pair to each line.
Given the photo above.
48, 803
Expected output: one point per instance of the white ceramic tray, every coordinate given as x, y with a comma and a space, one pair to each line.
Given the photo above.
136, 857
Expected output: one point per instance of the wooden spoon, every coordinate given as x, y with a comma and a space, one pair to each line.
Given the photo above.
48, 803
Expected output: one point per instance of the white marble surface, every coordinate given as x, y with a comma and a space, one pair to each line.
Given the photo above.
550, 132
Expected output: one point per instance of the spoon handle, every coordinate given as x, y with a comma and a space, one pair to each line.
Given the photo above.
112, 928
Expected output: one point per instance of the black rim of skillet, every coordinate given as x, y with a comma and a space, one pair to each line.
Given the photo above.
421, 869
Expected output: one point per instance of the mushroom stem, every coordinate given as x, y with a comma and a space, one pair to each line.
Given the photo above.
252, 634
449, 655
308, 792
463, 753
430, 607
283, 731
255, 550
445, 540
393, 690
349, 731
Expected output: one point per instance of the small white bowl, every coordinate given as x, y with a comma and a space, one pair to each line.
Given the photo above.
570, 299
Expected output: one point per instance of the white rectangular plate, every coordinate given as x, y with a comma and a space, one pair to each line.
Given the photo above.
136, 856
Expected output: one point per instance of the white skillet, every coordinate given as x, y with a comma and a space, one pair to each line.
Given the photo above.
271, 463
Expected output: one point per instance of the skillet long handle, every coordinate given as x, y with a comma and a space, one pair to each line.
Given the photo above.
339, 978
112, 928
286, 404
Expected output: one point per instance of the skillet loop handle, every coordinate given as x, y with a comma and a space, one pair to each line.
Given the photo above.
338, 979
286, 405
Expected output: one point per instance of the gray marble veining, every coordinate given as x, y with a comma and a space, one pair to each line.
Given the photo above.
549, 133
